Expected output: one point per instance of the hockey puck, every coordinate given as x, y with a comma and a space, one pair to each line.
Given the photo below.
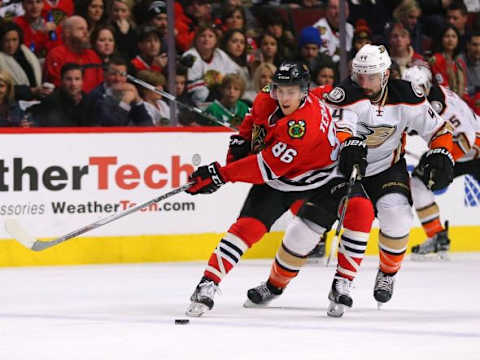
181, 321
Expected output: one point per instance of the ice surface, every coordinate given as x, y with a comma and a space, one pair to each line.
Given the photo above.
127, 312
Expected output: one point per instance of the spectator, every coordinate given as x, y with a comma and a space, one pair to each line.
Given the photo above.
122, 22
234, 44
268, 52
457, 16
472, 61
39, 36
309, 45
193, 14
184, 117
261, 78
275, 26
249, 20
93, 11
116, 102
329, 30
408, 13
210, 66
149, 46
325, 75
10, 112
103, 42
158, 109
362, 35
230, 109
447, 67
67, 105
21, 63
400, 48
75, 49
57, 10
157, 17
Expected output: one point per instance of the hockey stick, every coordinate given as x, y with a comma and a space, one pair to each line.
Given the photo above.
334, 244
170, 97
19, 233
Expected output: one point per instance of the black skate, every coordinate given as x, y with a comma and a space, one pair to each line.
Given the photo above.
434, 247
383, 290
261, 295
202, 298
339, 296
318, 252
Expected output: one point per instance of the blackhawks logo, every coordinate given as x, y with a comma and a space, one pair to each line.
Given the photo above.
297, 128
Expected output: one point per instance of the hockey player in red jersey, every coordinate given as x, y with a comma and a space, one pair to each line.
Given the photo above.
370, 108
293, 152
466, 153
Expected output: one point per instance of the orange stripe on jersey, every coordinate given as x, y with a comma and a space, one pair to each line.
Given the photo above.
343, 135
443, 137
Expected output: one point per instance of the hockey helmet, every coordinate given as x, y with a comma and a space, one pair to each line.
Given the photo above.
291, 73
419, 76
372, 59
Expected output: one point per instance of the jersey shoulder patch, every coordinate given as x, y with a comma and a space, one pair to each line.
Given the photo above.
401, 91
437, 99
345, 94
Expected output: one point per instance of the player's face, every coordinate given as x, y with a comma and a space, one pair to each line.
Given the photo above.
289, 98
371, 84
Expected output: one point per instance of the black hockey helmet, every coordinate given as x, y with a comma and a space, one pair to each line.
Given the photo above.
292, 73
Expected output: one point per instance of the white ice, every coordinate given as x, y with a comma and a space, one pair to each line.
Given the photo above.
127, 312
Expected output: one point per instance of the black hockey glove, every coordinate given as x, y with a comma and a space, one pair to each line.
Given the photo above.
238, 148
207, 179
353, 152
435, 169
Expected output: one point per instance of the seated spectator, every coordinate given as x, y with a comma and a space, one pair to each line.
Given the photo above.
116, 102
93, 11
262, 76
124, 26
276, 26
210, 66
267, 52
248, 19
149, 46
158, 109
188, 18
10, 112
472, 61
184, 116
330, 33
230, 109
76, 48
400, 48
21, 63
157, 17
309, 45
57, 10
408, 13
362, 35
325, 75
447, 67
39, 35
67, 105
234, 43
457, 16
103, 42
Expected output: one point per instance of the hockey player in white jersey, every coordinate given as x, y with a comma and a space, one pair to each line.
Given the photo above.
383, 110
466, 153
371, 108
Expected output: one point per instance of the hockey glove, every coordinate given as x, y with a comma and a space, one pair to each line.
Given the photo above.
207, 179
238, 148
436, 169
353, 152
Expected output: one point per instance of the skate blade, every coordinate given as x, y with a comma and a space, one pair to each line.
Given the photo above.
432, 257
196, 309
315, 261
250, 304
335, 310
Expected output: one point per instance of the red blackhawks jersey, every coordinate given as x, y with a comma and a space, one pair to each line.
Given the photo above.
297, 152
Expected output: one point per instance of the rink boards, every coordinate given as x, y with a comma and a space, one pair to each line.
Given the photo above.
56, 181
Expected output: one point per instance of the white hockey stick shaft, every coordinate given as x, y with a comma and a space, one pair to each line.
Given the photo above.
22, 236
334, 244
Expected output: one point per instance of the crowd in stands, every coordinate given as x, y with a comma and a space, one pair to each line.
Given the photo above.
65, 62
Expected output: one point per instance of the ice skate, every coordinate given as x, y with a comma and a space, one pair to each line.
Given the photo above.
433, 248
339, 296
261, 295
202, 298
318, 253
383, 290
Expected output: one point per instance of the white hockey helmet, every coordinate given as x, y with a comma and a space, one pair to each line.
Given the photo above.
419, 76
371, 59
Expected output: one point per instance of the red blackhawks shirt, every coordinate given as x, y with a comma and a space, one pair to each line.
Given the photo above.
290, 153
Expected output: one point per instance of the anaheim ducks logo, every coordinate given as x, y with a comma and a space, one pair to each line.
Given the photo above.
376, 135
258, 138
297, 129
